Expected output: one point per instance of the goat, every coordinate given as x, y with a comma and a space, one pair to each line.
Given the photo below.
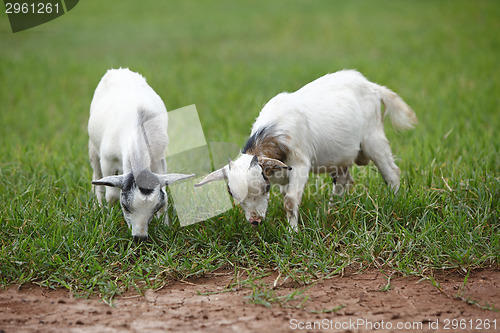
127, 142
324, 127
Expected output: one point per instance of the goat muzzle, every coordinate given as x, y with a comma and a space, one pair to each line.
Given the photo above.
139, 239
255, 222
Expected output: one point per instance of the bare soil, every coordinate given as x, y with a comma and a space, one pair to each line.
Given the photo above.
354, 302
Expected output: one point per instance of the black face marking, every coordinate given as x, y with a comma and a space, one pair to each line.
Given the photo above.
128, 182
126, 207
126, 195
126, 201
264, 176
146, 191
161, 203
267, 188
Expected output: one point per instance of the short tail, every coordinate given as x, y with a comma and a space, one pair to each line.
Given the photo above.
402, 116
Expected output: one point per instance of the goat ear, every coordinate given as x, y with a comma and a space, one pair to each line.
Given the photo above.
271, 166
254, 162
219, 174
114, 181
170, 178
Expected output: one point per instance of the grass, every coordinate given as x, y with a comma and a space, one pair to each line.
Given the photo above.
229, 58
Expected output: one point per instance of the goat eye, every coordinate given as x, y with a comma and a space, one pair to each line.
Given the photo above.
265, 176
158, 207
127, 209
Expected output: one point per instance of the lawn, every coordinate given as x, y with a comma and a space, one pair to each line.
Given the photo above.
229, 58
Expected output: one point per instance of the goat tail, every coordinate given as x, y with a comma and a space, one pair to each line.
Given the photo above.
402, 116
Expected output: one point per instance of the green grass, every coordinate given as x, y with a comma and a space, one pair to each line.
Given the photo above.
229, 58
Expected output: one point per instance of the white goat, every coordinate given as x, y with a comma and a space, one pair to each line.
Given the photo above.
127, 141
324, 127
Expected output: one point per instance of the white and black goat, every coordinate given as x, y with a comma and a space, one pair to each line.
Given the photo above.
324, 127
127, 141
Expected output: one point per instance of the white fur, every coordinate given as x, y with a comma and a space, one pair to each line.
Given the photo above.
128, 135
327, 125
247, 188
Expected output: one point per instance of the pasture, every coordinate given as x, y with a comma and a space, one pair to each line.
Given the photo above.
229, 58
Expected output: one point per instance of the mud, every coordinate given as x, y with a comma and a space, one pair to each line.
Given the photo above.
372, 301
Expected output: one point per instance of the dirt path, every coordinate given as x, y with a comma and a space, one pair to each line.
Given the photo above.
352, 303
